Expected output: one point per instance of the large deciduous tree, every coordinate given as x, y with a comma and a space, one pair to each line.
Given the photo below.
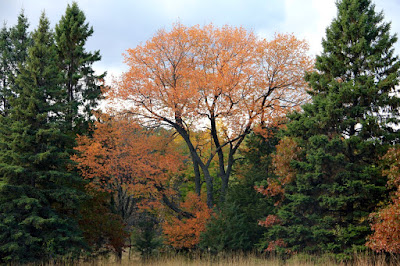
333, 181
222, 79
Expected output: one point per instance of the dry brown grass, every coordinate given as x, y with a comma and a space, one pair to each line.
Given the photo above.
241, 259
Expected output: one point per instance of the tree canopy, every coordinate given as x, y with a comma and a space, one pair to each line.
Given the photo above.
224, 80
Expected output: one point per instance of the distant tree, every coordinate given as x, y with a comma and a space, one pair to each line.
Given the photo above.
340, 137
273, 187
38, 195
80, 81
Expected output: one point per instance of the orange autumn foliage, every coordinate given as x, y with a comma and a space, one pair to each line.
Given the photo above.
225, 80
270, 221
286, 151
185, 232
386, 222
273, 245
226, 73
121, 153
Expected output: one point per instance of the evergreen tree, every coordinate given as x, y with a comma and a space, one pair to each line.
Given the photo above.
5, 69
80, 81
146, 237
20, 42
14, 45
38, 195
341, 136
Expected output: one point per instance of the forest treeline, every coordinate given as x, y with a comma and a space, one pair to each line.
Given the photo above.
214, 140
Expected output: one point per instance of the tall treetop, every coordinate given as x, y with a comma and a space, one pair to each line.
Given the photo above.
5, 69
358, 42
40, 76
358, 71
80, 80
72, 27
20, 39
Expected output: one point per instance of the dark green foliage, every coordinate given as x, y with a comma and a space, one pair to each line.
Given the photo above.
31, 230
5, 69
40, 194
14, 45
20, 42
235, 227
231, 230
146, 236
80, 81
341, 136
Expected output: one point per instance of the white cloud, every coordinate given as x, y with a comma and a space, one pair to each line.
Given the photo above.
119, 25
309, 19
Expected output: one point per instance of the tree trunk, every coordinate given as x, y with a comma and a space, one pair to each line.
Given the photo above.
197, 162
197, 180
210, 187
224, 187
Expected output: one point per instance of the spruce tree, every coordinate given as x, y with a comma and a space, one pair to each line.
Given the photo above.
38, 195
20, 42
80, 80
5, 69
342, 135
14, 45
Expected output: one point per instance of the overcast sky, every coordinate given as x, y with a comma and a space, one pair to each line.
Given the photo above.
122, 24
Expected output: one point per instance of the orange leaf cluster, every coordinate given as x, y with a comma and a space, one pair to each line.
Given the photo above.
386, 222
185, 232
286, 151
199, 73
274, 244
270, 221
121, 153
386, 228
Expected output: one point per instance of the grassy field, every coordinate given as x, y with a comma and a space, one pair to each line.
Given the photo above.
240, 259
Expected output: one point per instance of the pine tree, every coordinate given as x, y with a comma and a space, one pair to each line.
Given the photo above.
341, 136
80, 80
38, 195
